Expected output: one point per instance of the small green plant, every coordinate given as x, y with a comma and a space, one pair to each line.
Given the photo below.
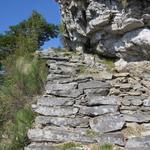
105, 147
90, 132
82, 69
68, 145
23, 120
109, 63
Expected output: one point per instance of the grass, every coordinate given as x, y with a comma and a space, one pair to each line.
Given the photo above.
133, 130
100, 147
90, 132
105, 147
25, 76
68, 145
17, 130
109, 63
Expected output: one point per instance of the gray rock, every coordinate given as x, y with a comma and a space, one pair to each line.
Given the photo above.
107, 123
52, 77
58, 135
63, 90
57, 121
137, 117
55, 111
137, 102
98, 110
66, 135
101, 100
138, 143
120, 65
101, 25
50, 88
40, 146
93, 85
100, 92
147, 102
128, 24
54, 101
112, 138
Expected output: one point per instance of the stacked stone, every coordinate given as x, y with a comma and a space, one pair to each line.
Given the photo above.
87, 110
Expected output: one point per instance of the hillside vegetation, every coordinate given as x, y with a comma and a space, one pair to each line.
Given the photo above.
24, 77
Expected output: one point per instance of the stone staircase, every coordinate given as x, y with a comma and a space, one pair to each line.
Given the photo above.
85, 103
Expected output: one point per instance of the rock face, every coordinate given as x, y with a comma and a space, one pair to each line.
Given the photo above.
79, 105
113, 28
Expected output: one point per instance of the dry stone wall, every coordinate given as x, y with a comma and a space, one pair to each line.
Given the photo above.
113, 28
88, 104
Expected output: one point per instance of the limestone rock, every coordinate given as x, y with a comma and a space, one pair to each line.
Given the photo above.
54, 101
93, 85
138, 143
112, 28
137, 117
61, 121
98, 110
55, 111
107, 123
101, 100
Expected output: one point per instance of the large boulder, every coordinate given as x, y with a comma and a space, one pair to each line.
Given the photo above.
116, 28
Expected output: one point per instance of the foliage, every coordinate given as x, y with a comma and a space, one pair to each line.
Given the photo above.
23, 121
24, 79
106, 147
33, 31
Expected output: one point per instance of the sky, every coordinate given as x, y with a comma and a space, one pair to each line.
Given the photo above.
14, 11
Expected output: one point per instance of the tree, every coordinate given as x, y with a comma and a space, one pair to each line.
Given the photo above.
33, 31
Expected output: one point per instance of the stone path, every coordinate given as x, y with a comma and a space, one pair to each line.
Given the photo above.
83, 105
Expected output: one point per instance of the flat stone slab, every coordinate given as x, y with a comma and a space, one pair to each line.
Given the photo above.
54, 101
137, 117
98, 110
58, 135
52, 87
40, 146
112, 138
147, 102
107, 123
55, 111
63, 90
99, 91
52, 77
138, 143
58, 121
101, 100
94, 84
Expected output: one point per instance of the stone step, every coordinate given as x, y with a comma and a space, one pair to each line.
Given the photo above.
138, 143
62, 121
54, 101
55, 111
63, 90
60, 135
138, 117
97, 110
52, 77
94, 100
93, 84
107, 123
40, 146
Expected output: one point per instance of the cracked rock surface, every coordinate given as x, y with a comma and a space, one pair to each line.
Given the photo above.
113, 28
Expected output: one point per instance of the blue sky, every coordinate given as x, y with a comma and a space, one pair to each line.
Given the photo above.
14, 11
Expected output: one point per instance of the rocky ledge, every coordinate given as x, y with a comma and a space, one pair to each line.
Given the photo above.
86, 103
113, 28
